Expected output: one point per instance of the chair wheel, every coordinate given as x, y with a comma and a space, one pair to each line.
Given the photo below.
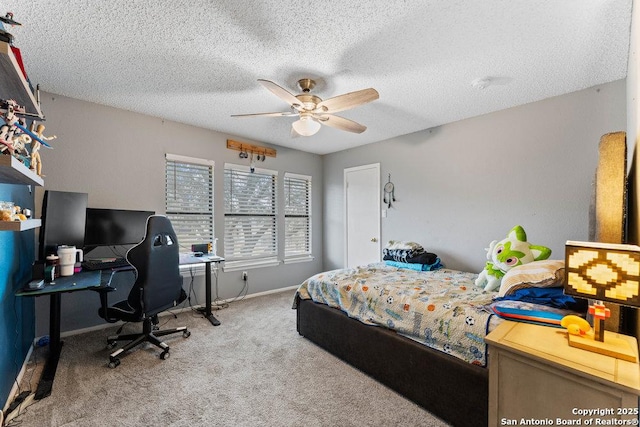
114, 363
186, 334
164, 355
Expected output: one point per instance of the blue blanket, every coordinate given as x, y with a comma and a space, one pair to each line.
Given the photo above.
552, 297
417, 267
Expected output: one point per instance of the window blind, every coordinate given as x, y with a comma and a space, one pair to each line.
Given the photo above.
250, 214
189, 199
297, 216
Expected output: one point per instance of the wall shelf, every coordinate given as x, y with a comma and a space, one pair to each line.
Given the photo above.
20, 225
13, 85
13, 171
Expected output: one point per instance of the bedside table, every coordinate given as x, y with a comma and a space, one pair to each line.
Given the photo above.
535, 375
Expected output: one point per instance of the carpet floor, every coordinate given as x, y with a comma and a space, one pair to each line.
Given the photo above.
252, 370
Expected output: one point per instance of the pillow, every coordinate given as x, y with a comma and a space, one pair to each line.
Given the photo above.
537, 274
521, 311
529, 316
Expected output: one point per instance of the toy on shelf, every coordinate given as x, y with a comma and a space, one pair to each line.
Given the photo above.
14, 136
12, 115
11, 212
8, 19
6, 211
4, 35
20, 151
36, 163
9, 129
16, 146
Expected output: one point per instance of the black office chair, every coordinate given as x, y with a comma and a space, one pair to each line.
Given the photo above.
157, 287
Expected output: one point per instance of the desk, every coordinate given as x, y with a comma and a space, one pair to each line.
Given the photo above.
87, 280
78, 282
188, 259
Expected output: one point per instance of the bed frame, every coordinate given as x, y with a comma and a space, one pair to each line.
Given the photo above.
454, 390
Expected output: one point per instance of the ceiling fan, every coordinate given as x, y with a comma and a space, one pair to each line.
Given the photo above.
313, 111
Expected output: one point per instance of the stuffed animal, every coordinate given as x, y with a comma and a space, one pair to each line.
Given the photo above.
506, 254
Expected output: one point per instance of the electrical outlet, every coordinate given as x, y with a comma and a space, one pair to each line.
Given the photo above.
245, 276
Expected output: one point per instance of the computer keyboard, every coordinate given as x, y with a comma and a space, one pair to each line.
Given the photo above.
104, 263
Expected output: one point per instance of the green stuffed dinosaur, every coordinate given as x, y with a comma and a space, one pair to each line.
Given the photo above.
506, 254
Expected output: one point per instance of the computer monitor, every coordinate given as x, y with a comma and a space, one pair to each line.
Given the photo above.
113, 227
63, 220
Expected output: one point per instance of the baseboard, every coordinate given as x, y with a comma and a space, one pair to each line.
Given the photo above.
168, 313
272, 291
14, 390
28, 400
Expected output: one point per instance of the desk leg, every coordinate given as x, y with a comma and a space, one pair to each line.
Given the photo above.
55, 346
207, 309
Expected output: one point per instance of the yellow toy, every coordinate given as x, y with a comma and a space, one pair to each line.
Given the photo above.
575, 325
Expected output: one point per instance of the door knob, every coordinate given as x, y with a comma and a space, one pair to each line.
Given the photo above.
374, 239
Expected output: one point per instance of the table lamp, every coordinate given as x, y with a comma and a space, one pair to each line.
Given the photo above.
603, 272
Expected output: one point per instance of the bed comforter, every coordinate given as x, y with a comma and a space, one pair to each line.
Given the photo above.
442, 309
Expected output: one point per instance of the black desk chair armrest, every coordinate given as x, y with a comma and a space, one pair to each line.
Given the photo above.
104, 299
106, 289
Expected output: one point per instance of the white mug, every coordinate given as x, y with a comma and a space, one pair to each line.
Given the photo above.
67, 255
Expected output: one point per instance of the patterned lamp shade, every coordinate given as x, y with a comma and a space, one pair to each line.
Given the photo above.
603, 271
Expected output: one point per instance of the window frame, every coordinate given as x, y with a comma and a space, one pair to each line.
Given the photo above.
271, 258
208, 212
300, 256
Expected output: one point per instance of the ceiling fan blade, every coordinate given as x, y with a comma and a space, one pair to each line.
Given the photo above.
347, 101
341, 123
283, 114
282, 93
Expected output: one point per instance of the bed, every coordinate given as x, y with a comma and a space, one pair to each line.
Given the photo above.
447, 377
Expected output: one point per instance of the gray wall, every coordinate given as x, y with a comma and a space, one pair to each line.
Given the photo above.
464, 184
117, 157
458, 186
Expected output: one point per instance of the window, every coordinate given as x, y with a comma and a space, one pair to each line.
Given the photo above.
250, 236
189, 199
297, 217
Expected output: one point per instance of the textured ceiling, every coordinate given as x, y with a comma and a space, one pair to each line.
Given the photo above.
197, 62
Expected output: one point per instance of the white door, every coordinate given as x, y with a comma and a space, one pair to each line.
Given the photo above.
362, 214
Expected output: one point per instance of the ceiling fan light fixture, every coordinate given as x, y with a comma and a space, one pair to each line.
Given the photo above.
306, 126
315, 112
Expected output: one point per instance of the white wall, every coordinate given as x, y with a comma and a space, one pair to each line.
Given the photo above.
461, 185
117, 157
